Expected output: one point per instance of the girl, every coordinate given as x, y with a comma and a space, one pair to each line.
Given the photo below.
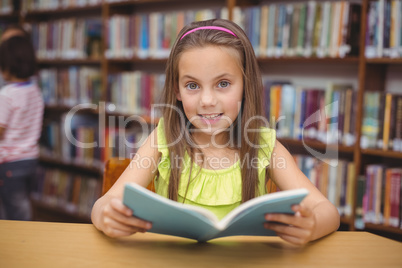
21, 115
211, 146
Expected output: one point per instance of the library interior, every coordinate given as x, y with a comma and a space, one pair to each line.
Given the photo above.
332, 81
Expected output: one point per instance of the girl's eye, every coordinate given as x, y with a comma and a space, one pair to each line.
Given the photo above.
223, 84
192, 86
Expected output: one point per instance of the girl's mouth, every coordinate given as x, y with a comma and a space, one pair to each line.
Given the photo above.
211, 116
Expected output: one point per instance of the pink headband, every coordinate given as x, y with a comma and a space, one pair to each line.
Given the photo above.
209, 28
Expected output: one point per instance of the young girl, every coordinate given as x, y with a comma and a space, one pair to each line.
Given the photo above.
211, 147
21, 115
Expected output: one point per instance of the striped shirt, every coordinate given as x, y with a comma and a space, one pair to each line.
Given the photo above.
21, 114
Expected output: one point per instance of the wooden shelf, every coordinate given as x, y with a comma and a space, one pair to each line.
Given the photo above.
384, 61
317, 145
69, 62
73, 166
377, 152
139, 2
46, 212
61, 11
136, 60
347, 60
64, 109
9, 16
383, 228
345, 220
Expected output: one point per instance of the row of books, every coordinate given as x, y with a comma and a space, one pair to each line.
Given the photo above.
334, 178
384, 29
70, 86
326, 115
382, 194
6, 6
150, 35
135, 92
32, 5
382, 121
70, 38
313, 28
73, 193
82, 141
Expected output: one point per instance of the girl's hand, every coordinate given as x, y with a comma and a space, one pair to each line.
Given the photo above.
117, 220
297, 229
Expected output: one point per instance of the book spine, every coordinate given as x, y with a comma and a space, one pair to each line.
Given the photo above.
371, 49
387, 197
264, 30
350, 191
326, 9
302, 29
397, 143
387, 121
387, 29
395, 198
308, 42
295, 30
271, 30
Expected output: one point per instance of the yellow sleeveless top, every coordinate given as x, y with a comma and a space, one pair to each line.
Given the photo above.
216, 190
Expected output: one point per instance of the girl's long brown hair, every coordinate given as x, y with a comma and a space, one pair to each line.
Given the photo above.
251, 108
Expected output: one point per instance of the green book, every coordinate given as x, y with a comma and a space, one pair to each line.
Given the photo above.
174, 218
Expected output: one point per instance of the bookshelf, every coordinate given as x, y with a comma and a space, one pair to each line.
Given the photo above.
365, 74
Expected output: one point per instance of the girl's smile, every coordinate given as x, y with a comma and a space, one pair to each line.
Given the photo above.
211, 118
210, 87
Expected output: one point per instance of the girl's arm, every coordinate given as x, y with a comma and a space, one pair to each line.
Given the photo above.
315, 217
109, 214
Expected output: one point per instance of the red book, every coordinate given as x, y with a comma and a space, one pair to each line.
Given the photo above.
395, 196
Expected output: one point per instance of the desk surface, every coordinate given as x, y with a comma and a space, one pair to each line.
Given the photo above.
43, 244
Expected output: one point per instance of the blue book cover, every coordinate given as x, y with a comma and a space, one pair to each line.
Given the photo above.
174, 218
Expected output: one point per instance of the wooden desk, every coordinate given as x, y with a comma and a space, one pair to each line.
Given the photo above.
42, 244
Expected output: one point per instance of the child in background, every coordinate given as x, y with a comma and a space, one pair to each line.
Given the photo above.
21, 116
9, 31
212, 147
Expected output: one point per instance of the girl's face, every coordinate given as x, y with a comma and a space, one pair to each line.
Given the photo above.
210, 88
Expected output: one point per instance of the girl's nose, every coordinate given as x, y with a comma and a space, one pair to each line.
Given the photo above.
208, 98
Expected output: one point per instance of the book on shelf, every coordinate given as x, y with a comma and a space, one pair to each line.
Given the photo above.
326, 115
121, 142
174, 218
150, 34
77, 144
382, 195
143, 88
93, 36
6, 7
52, 40
382, 121
71, 192
70, 86
383, 34
371, 120
334, 180
311, 28
360, 190
56, 4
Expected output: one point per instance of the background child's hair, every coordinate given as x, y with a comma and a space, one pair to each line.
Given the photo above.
17, 29
251, 103
17, 57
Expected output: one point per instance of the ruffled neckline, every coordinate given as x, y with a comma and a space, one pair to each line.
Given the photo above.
209, 187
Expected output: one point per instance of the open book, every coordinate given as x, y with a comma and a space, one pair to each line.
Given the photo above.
174, 218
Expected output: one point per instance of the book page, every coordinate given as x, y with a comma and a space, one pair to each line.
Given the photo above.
198, 210
266, 199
